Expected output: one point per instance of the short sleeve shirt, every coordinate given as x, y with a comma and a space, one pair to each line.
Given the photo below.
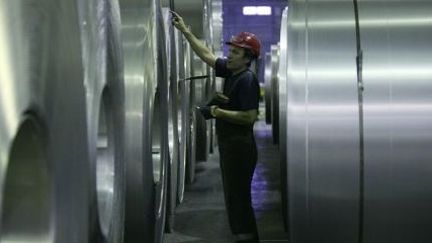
242, 88
243, 92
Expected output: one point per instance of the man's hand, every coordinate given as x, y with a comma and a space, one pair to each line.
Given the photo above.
213, 110
199, 47
206, 112
178, 22
218, 99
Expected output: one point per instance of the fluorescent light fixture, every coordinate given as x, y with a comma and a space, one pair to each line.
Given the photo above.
264, 10
249, 10
257, 10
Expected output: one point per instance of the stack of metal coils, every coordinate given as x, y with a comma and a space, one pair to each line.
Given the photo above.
46, 175
96, 121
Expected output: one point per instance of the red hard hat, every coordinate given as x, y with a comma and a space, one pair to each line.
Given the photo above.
246, 40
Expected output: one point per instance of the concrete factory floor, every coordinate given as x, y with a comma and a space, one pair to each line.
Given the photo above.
202, 218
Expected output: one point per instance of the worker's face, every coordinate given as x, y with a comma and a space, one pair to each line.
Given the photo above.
236, 58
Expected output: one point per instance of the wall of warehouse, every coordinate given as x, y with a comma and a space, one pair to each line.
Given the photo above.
267, 28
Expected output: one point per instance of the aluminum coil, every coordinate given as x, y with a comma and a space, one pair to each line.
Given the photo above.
43, 131
99, 22
275, 52
192, 10
199, 68
282, 95
208, 30
191, 142
217, 37
200, 87
212, 29
217, 24
210, 124
396, 38
183, 112
213, 35
208, 23
267, 88
322, 123
339, 190
173, 131
146, 88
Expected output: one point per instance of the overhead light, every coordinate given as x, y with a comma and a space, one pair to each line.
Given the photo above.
257, 10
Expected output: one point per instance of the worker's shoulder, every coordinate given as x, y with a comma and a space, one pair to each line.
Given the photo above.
249, 77
246, 75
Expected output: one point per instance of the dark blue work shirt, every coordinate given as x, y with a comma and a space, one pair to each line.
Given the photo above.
242, 90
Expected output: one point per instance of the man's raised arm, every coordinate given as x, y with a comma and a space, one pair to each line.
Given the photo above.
198, 46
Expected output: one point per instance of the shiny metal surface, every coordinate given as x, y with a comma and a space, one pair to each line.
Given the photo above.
200, 89
275, 56
182, 112
208, 23
43, 136
216, 15
209, 40
282, 79
282, 109
191, 117
173, 141
27, 161
158, 132
105, 171
396, 38
213, 37
172, 94
199, 85
267, 88
217, 24
103, 67
146, 115
322, 123
333, 195
158, 129
192, 10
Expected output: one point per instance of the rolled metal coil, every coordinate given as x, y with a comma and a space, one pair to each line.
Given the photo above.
282, 109
217, 23
183, 112
192, 116
193, 14
210, 89
199, 68
322, 138
213, 36
146, 88
359, 136
210, 86
396, 40
44, 153
202, 138
103, 69
275, 52
173, 141
208, 23
200, 87
267, 88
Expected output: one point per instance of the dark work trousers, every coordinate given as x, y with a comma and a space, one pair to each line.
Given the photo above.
238, 158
